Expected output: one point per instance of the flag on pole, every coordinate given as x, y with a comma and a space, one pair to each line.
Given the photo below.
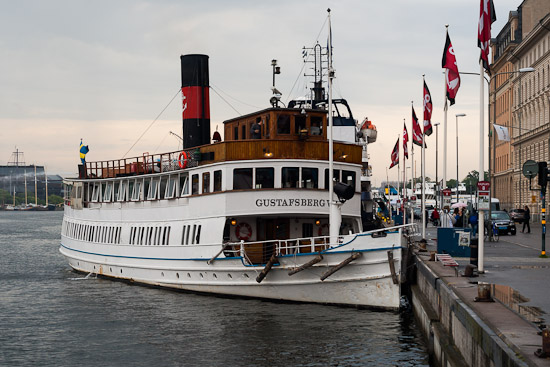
502, 132
427, 111
405, 141
452, 77
487, 16
416, 131
83, 150
395, 154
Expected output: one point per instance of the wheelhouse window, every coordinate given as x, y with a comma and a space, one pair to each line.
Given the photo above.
217, 180
205, 182
348, 177
336, 174
310, 178
300, 124
194, 184
265, 178
242, 178
283, 124
243, 128
290, 177
316, 125
236, 133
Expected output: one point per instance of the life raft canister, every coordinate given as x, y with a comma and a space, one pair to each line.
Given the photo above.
243, 231
182, 160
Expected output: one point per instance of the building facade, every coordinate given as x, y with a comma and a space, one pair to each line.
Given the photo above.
521, 102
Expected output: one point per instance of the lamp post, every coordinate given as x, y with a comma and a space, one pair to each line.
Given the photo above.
457, 116
437, 189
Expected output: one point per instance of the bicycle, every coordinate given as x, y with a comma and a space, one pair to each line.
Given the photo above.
493, 235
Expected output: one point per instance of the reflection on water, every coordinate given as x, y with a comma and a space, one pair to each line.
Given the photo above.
49, 319
513, 300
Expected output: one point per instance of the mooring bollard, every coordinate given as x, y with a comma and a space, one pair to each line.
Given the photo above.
544, 352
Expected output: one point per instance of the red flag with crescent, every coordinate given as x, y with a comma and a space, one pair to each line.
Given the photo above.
395, 154
487, 16
452, 77
416, 131
427, 111
405, 141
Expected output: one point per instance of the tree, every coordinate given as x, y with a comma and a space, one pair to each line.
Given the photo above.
451, 183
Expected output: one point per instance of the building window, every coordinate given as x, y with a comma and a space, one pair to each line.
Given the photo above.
290, 177
265, 178
242, 178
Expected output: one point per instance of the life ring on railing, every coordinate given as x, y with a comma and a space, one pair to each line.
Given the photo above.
243, 231
324, 230
183, 162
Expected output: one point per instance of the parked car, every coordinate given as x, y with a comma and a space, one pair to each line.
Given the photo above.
417, 213
503, 222
517, 215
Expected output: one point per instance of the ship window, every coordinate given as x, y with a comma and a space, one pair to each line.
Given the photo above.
310, 178
130, 189
150, 233
236, 133
96, 192
108, 192
154, 189
194, 184
316, 125
265, 178
136, 194
299, 123
348, 177
283, 124
336, 174
290, 177
205, 182
171, 187
243, 128
184, 184
102, 191
193, 235
122, 195
198, 238
242, 178
163, 184
267, 126
155, 238
217, 180
79, 192
307, 230
146, 185
141, 233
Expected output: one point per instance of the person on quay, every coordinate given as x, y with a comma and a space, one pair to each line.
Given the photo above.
526, 220
473, 221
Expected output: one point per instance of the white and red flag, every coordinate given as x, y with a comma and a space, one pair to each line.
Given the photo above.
427, 111
452, 78
405, 142
395, 154
487, 16
416, 131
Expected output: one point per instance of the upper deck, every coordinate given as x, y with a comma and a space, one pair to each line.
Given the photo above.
273, 133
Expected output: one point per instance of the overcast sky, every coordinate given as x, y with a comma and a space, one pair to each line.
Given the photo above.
104, 70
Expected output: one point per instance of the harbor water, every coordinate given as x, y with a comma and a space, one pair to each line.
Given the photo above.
52, 316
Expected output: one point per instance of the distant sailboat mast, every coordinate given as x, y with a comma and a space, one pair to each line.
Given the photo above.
35, 188
25, 176
46, 179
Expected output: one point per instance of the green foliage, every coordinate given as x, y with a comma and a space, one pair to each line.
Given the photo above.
55, 199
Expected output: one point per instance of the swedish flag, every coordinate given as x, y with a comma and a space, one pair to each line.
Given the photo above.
83, 150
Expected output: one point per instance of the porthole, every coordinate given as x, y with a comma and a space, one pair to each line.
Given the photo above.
178, 275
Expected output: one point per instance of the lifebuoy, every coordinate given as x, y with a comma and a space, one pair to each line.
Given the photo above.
243, 231
182, 162
322, 229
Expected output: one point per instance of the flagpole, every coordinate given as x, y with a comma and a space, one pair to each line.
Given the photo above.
412, 171
422, 168
445, 108
404, 176
481, 220
398, 173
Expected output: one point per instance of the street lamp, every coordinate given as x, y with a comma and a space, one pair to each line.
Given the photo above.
457, 116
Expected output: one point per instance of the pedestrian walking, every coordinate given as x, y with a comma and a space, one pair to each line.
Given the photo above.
526, 220
473, 220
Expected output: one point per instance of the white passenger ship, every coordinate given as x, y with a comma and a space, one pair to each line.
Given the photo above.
247, 216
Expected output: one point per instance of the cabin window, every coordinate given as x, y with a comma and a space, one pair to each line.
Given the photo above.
265, 178
187, 234
236, 133
96, 192
184, 184
242, 178
198, 237
243, 128
163, 184
205, 182
217, 180
146, 184
136, 194
300, 124
316, 125
290, 177
336, 174
171, 187
194, 184
108, 196
193, 235
283, 124
267, 126
153, 191
121, 195
78, 192
310, 178
102, 191
348, 177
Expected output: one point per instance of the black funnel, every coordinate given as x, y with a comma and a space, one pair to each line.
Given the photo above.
196, 101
